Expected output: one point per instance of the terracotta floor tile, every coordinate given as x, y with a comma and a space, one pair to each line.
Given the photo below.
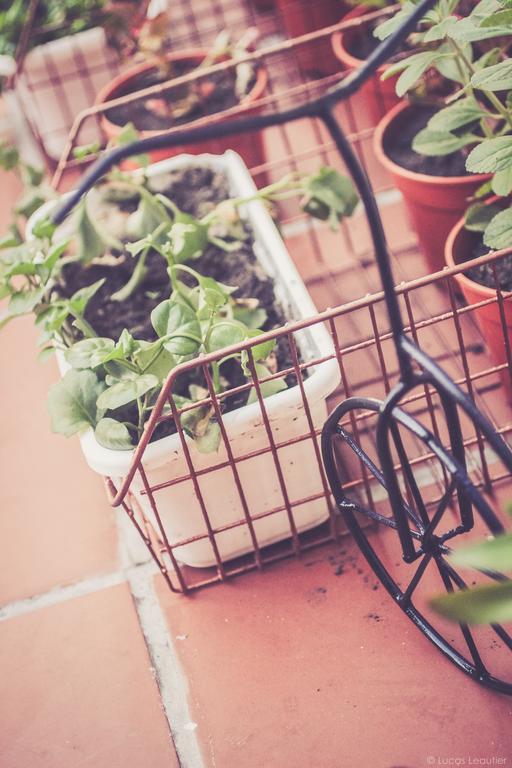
78, 690
56, 526
298, 667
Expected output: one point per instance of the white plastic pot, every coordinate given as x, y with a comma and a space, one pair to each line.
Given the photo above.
164, 460
61, 78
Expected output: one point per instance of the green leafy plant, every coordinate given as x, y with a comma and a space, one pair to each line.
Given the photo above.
486, 604
35, 190
55, 19
476, 117
112, 384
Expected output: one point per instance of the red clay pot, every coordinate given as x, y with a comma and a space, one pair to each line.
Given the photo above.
458, 247
300, 17
434, 203
248, 145
378, 96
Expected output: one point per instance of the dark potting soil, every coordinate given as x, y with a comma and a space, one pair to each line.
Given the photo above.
195, 190
217, 93
398, 145
484, 274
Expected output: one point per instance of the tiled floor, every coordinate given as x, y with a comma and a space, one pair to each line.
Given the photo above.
307, 665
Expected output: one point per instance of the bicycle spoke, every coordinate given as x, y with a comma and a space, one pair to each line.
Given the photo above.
468, 637
406, 599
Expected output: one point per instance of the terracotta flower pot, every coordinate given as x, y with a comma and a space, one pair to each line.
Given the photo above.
248, 145
458, 251
300, 17
434, 203
376, 97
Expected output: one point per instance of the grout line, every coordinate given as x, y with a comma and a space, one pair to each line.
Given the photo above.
61, 594
169, 675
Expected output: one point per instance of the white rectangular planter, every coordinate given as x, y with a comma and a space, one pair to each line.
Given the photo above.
163, 460
60, 79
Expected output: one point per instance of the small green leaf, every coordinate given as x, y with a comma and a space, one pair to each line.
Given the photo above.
493, 554
30, 202
79, 300
412, 68
329, 196
498, 234
214, 294
46, 267
497, 77
501, 183
479, 215
439, 31
45, 354
454, 67
209, 441
72, 402
491, 155
93, 240
267, 388
439, 143
391, 25
465, 30
188, 238
89, 353
149, 215
489, 604
499, 19
225, 333
128, 135
113, 434
162, 364
179, 321
24, 302
456, 116
126, 391
126, 343
84, 150
251, 317
483, 190
44, 228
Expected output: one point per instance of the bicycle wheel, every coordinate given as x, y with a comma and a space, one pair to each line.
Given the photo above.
483, 652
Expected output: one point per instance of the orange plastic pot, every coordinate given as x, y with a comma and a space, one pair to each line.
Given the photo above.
377, 96
300, 17
248, 145
434, 203
458, 251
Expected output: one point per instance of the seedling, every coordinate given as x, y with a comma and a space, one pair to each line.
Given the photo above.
112, 384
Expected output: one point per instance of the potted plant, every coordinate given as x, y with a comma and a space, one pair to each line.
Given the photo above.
158, 267
351, 47
65, 53
425, 145
487, 226
299, 18
206, 95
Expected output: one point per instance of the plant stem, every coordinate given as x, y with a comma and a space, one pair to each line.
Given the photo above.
82, 325
137, 276
494, 100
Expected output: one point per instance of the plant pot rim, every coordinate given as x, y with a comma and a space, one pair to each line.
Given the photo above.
108, 92
449, 255
323, 378
338, 42
398, 170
